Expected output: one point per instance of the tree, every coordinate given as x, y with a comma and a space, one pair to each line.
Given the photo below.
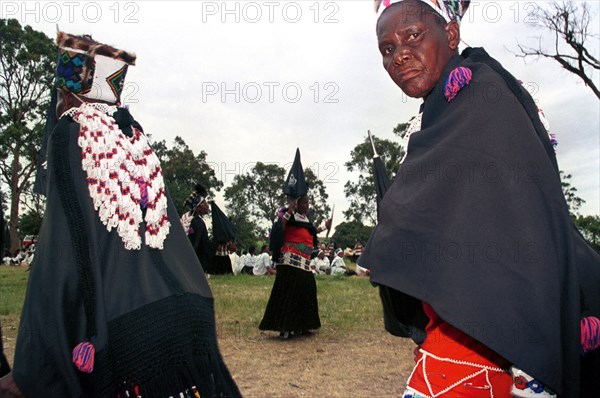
248, 234
347, 233
589, 226
319, 209
361, 192
30, 221
570, 24
182, 170
27, 64
257, 195
573, 201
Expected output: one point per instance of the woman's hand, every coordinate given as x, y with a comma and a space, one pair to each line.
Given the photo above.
289, 212
292, 206
328, 224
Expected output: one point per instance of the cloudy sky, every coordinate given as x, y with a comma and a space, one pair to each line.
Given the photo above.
250, 81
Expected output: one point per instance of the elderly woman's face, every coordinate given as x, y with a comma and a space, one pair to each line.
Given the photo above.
415, 47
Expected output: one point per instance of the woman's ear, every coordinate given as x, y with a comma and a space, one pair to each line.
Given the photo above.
453, 34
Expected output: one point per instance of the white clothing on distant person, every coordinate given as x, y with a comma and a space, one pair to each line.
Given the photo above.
321, 265
338, 266
242, 261
249, 261
361, 271
235, 263
262, 264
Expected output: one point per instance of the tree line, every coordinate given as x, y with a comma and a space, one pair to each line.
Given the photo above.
27, 65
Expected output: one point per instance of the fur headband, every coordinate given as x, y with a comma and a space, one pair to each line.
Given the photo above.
91, 69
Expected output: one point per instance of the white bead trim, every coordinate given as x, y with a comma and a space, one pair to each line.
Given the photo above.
422, 362
115, 164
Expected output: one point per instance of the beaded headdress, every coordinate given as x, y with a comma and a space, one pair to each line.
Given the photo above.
90, 69
450, 10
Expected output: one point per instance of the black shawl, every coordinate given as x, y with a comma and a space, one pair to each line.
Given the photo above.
148, 312
476, 225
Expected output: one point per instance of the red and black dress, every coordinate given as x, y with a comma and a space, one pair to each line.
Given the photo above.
293, 305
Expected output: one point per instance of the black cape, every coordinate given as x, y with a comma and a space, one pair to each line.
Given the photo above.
148, 312
476, 225
201, 243
4, 366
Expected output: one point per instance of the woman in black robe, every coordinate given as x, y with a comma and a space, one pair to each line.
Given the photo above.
293, 306
195, 227
117, 304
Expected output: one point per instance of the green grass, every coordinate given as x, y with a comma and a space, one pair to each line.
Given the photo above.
345, 304
13, 281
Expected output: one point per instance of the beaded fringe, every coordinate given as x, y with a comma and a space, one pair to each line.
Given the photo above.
124, 176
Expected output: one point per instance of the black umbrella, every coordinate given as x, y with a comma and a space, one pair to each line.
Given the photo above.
295, 184
222, 228
394, 302
382, 182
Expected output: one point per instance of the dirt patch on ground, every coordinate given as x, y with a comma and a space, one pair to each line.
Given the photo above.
365, 364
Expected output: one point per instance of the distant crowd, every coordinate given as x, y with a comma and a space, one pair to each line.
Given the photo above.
326, 261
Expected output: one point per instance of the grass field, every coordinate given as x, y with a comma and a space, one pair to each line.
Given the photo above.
350, 356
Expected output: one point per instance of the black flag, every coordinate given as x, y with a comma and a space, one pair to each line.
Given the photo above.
222, 228
380, 177
295, 184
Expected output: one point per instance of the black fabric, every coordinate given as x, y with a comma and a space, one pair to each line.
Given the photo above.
4, 366
223, 229
54, 318
381, 179
75, 224
403, 315
476, 225
2, 241
202, 244
41, 175
125, 121
295, 183
4, 235
221, 265
590, 375
178, 354
247, 270
293, 305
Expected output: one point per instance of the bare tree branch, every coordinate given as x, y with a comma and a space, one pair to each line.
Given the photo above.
569, 21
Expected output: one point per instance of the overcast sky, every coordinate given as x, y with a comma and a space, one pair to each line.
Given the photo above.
250, 81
